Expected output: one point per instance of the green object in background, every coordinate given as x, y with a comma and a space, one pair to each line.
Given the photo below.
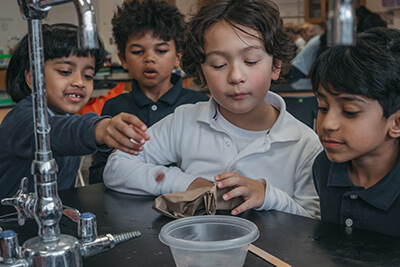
5, 55
4, 59
5, 100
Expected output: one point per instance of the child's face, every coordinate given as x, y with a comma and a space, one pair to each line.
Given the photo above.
150, 60
238, 70
69, 83
352, 127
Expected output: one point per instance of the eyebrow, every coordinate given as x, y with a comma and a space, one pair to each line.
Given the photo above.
68, 62
158, 44
345, 97
248, 48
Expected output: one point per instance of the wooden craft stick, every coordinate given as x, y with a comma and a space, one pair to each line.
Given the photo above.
268, 257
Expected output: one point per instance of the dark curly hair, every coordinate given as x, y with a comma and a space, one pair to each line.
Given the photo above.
59, 40
159, 17
370, 68
259, 15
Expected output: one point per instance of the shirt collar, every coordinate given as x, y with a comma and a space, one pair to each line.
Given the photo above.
381, 195
170, 97
281, 131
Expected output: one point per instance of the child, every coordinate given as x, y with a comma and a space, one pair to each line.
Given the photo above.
357, 176
69, 82
242, 137
149, 40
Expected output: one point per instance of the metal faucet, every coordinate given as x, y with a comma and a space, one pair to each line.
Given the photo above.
50, 247
341, 18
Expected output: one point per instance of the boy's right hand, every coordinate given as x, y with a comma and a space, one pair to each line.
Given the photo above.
124, 131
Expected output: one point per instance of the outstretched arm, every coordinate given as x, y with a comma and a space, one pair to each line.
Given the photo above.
141, 174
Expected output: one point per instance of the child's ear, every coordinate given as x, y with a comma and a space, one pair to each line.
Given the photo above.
276, 69
123, 61
178, 59
394, 130
28, 79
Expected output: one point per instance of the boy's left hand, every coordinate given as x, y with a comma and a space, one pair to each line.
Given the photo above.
124, 131
252, 191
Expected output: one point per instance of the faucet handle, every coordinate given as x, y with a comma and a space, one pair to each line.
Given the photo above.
9, 246
87, 227
71, 213
22, 201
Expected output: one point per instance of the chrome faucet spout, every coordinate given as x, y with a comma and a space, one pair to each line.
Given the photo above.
341, 19
87, 24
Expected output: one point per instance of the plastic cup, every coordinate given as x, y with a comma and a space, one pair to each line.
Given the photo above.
211, 240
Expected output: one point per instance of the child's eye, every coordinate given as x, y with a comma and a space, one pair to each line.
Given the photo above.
323, 110
162, 51
219, 66
136, 52
251, 62
88, 77
350, 114
64, 72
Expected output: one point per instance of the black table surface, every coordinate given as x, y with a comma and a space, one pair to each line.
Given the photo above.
297, 240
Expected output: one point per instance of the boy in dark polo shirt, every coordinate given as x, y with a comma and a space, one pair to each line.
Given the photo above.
149, 38
358, 175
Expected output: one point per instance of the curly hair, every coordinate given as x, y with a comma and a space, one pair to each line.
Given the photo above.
370, 68
259, 15
159, 17
60, 40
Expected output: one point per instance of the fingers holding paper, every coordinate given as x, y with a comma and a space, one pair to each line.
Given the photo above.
252, 191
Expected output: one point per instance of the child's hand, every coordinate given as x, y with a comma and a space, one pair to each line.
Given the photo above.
252, 191
124, 132
199, 183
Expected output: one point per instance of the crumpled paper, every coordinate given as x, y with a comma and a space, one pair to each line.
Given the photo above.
205, 200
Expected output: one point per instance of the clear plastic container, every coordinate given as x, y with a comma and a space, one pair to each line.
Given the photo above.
210, 240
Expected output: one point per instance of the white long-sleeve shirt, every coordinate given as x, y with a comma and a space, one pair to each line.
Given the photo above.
191, 138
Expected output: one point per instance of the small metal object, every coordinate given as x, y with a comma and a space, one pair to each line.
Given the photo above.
71, 213
9, 246
341, 19
87, 227
103, 243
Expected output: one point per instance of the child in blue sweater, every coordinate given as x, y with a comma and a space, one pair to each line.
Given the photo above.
69, 75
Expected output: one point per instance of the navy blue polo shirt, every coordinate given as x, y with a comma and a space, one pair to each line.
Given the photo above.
376, 208
137, 103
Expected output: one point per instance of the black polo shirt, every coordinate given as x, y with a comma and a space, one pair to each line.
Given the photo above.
376, 208
137, 103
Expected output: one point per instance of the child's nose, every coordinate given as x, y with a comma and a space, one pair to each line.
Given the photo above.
236, 75
149, 57
77, 81
328, 121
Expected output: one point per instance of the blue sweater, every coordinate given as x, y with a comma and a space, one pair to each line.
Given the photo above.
70, 138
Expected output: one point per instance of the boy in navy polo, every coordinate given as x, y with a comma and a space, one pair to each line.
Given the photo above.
358, 92
149, 38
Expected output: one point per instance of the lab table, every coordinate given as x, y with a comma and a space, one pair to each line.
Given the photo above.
297, 240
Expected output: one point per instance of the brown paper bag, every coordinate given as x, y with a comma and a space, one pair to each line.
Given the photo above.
205, 200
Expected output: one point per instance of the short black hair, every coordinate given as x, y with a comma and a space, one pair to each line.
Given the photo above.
159, 17
260, 15
368, 19
370, 68
59, 40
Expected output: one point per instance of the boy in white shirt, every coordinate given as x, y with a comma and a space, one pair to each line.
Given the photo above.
242, 137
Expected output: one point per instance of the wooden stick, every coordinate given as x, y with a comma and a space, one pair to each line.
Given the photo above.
268, 257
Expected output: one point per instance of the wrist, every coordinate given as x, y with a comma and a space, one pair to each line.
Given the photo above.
100, 130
